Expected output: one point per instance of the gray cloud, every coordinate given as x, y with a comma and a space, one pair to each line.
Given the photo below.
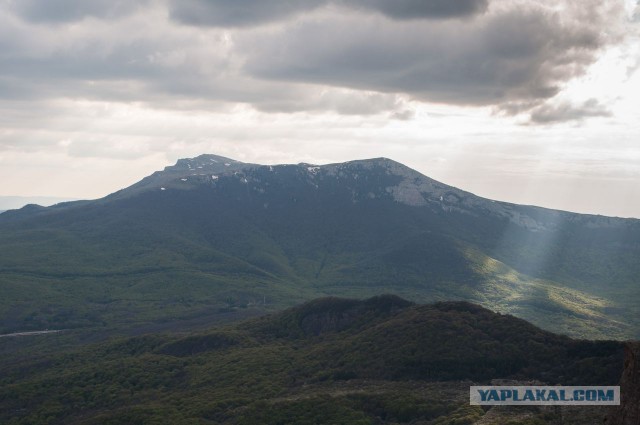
547, 114
520, 54
422, 9
152, 61
230, 13
514, 55
136, 59
61, 11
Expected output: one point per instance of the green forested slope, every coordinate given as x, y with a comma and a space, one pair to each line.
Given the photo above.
379, 361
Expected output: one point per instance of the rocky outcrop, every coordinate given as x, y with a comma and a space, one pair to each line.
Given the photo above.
628, 413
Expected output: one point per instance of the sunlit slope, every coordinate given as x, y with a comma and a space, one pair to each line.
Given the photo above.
213, 234
458, 271
546, 303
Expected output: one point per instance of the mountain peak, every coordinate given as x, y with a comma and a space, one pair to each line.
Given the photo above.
203, 161
362, 180
374, 178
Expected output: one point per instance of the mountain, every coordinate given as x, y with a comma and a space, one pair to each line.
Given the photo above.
380, 361
13, 202
212, 238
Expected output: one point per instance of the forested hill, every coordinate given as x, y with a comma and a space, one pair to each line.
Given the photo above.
379, 361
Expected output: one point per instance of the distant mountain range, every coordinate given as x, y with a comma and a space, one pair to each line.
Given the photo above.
13, 202
211, 236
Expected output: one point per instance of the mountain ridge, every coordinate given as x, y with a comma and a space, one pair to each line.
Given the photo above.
408, 192
223, 236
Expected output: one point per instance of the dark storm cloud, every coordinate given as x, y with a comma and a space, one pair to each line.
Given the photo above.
138, 59
516, 55
145, 59
548, 114
230, 13
61, 11
236, 12
421, 9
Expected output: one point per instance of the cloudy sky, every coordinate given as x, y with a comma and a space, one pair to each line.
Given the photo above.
528, 101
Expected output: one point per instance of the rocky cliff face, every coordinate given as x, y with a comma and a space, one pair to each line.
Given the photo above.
628, 413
